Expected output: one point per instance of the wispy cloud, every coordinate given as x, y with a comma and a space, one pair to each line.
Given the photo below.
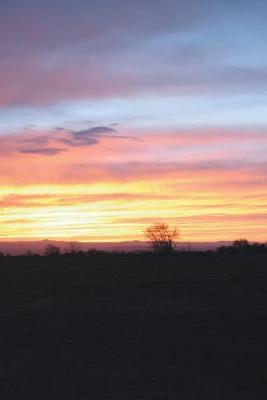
88, 136
41, 151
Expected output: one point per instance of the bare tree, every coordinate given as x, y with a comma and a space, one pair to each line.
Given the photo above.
162, 237
74, 248
51, 250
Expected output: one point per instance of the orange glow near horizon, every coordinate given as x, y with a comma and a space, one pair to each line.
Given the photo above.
119, 186
117, 212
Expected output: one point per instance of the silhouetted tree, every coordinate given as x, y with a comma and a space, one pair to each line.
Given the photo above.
162, 237
51, 250
241, 243
74, 248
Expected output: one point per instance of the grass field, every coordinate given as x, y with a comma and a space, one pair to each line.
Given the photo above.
189, 326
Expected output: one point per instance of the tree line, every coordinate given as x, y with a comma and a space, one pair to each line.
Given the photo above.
161, 239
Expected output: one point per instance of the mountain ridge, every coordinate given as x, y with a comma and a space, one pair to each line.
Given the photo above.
37, 246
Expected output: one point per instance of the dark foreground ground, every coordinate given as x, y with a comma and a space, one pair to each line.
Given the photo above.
134, 327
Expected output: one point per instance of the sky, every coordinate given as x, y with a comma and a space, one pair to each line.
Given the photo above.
118, 114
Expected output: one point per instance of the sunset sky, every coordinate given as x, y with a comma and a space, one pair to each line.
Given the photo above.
119, 113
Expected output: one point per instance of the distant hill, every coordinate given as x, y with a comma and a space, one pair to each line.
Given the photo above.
21, 247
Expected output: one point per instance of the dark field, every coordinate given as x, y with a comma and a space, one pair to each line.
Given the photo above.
191, 326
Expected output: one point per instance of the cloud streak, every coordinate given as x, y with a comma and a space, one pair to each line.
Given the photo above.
42, 151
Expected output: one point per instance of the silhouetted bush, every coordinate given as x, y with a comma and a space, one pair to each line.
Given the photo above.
51, 250
243, 246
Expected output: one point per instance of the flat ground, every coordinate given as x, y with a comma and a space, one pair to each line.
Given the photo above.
191, 326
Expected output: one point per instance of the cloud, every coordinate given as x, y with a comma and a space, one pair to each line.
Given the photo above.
18, 221
147, 145
41, 139
72, 51
60, 129
24, 200
46, 151
204, 219
86, 137
99, 50
77, 142
48, 144
95, 131
66, 199
97, 21
91, 136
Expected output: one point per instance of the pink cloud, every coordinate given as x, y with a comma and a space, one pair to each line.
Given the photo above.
61, 156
